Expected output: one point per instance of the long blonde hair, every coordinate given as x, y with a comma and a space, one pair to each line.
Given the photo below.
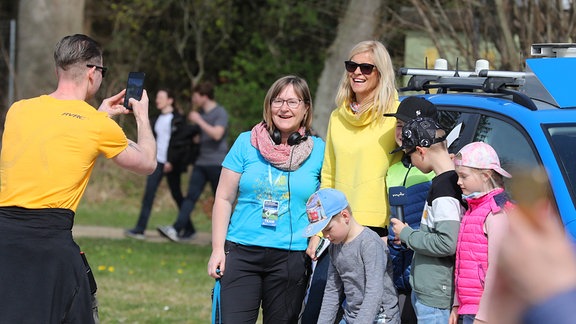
385, 93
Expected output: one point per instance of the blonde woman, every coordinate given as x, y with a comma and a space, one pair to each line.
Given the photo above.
358, 143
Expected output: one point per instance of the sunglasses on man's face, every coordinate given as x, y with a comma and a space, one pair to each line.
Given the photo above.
365, 68
102, 69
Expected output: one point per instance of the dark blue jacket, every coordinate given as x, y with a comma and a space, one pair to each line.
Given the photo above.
417, 185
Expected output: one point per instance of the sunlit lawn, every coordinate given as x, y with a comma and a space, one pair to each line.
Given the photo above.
139, 281
143, 282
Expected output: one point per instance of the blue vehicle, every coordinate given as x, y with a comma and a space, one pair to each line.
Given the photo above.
528, 117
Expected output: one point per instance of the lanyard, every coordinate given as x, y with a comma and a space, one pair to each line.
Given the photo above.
216, 312
273, 184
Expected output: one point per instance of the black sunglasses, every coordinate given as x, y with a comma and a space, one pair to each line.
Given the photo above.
365, 68
103, 69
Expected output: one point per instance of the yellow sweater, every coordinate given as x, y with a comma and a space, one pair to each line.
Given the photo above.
356, 160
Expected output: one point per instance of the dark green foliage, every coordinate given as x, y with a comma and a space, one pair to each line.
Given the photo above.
241, 46
289, 37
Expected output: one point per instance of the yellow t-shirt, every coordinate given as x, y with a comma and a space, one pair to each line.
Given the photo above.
49, 148
356, 160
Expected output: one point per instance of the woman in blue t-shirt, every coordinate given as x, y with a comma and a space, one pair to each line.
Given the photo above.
257, 244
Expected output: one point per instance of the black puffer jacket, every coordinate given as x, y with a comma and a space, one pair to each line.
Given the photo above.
182, 150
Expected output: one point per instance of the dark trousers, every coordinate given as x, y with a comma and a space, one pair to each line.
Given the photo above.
256, 275
152, 184
201, 174
316, 290
407, 314
42, 276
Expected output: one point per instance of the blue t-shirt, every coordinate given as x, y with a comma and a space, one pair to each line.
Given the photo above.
260, 182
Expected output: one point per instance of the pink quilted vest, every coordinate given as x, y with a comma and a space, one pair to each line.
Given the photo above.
472, 251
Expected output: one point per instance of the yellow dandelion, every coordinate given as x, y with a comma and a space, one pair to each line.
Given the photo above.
101, 267
180, 271
111, 269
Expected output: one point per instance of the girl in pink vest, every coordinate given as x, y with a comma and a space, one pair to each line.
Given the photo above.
481, 179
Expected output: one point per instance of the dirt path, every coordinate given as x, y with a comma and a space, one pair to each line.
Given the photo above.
118, 233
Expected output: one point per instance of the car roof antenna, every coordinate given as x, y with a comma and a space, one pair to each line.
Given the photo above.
456, 74
426, 62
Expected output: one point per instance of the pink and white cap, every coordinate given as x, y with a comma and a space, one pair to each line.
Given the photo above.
480, 155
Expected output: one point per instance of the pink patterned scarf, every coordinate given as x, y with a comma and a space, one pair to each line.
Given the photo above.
281, 156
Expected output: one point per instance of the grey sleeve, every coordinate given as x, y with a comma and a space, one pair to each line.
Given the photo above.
374, 258
221, 118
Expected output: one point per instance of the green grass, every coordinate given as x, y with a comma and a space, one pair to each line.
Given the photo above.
120, 213
139, 281
142, 282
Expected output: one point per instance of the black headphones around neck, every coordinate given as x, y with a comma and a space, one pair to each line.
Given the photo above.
294, 138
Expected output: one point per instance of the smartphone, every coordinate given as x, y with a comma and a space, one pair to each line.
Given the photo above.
322, 246
134, 87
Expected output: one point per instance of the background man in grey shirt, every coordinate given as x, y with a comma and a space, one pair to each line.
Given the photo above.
213, 122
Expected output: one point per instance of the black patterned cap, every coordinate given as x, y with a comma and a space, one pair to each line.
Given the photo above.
420, 131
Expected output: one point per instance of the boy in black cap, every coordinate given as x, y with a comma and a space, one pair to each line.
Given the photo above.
403, 177
413, 107
434, 244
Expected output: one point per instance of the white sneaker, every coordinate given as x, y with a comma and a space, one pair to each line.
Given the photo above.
168, 232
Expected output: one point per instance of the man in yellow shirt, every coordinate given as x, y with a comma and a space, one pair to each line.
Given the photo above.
49, 148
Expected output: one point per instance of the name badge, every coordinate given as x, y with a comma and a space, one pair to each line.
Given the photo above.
270, 213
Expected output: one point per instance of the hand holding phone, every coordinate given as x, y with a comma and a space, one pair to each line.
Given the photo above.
134, 87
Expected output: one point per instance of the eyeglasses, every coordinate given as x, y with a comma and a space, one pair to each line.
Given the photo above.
292, 102
102, 69
365, 68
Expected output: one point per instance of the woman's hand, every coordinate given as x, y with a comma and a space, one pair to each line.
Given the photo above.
217, 261
312, 246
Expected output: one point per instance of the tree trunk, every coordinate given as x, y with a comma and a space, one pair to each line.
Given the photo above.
360, 22
41, 24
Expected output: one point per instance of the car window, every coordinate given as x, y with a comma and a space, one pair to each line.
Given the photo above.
563, 141
513, 148
461, 123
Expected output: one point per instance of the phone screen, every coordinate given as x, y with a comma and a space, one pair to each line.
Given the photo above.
134, 87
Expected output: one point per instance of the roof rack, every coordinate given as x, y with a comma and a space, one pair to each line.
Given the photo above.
547, 79
553, 50
481, 79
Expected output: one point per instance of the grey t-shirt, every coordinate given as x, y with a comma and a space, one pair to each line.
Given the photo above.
361, 272
213, 152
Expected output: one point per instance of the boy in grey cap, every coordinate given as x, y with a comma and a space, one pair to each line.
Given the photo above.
434, 244
359, 271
